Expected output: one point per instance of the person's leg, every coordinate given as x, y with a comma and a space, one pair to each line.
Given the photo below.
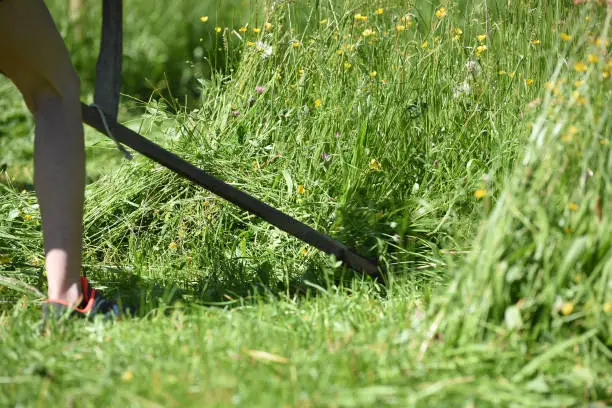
34, 57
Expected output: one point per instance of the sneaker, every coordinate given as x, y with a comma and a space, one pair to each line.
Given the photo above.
93, 304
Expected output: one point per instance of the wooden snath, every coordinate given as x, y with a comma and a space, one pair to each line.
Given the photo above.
102, 116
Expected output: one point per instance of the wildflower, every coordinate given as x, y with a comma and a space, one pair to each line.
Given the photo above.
535, 42
567, 308
204, 19
339, 52
304, 252
264, 49
424, 44
296, 43
301, 72
325, 157
242, 29
480, 49
502, 72
268, 26
375, 165
323, 22
259, 89
528, 81
458, 33
373, 74
441, 12
511, 74
218, 29
573, 206
580, 66
250, 43
578, 84
481, 193
173, 245
235, 113
359, 17
566, 37
300, 189
337, 134
400, 28
607, 307
318, 103
380, 11
347, 65
368, 32
127, 376
593, 59
256, 30
481, 37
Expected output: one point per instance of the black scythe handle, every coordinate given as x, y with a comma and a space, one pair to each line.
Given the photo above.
91, 116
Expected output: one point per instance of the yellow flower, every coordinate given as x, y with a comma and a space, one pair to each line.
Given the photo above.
511, 74
441, 12
127, 376
304, 252
566, 37
218, 29
301, 190
242, 29
481, 37
296, 44
368, 32
502, 72
458, 31
256, 30
317, 104
535, 42
578, 84
400, 27
593, 59
380, 11
250, 43
580, 67
607, 307
425, 44
567, 308
375, 165
480, 49
528, 81
481, 193
172, 245
587, 18
204, 19
339, 52
347, 65
360, 17
373, 74
323, 22
269, 26
573, 206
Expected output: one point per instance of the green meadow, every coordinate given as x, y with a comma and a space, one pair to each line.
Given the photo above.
464, 145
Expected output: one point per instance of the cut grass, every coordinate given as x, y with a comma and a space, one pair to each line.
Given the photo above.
482, 183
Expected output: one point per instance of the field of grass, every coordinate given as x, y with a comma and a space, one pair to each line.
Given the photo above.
464, 145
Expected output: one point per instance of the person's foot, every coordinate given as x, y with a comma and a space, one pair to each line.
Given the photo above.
93, 304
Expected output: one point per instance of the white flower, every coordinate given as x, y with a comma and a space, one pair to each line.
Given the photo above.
463, 88
264, 49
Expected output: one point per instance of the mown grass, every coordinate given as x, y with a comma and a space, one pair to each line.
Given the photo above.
480, 177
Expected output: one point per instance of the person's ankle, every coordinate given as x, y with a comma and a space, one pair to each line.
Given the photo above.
72, 295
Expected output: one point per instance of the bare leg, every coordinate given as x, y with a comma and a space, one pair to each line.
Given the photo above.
34, 57
59, 177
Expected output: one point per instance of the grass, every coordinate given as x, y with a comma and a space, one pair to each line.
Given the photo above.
480, 177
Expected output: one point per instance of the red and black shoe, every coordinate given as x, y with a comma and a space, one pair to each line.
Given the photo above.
93, 304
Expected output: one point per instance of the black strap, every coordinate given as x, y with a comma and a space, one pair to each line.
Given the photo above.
108, 68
